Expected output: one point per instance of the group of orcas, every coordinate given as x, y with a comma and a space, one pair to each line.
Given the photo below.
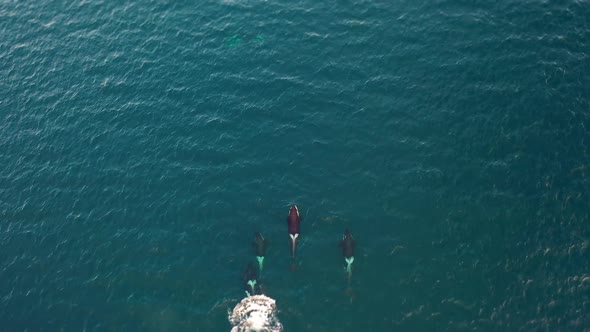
294, 221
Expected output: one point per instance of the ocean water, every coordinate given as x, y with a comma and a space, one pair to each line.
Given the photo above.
143, 143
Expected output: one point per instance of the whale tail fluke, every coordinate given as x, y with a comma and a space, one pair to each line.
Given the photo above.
349, 262
293, 243
252, 284
260, 260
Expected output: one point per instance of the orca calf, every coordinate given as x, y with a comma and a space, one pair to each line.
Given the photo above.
294, 220
347, 245
260, 245
250, 277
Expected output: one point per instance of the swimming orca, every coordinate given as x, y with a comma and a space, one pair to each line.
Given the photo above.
260, 245
250, 277
347, 245
294, 220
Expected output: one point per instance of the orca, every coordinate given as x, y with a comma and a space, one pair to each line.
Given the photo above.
294, 221
348, 245
260, 245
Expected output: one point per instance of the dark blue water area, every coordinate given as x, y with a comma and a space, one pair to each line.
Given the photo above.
143, 144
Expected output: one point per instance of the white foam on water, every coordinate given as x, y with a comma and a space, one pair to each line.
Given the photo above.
256, 313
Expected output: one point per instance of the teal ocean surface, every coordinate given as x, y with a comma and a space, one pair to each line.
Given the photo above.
143, 143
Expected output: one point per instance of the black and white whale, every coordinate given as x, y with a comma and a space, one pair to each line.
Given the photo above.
250, 278
294, 221
260, 244
347, 245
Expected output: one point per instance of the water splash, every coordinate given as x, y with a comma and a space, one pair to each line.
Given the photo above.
256, 313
